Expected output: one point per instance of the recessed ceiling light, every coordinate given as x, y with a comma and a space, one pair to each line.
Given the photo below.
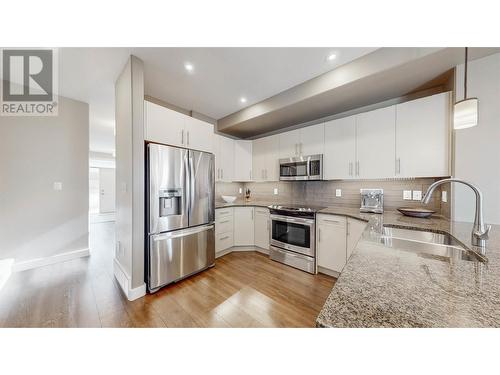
243, 100
331, 57
189, 67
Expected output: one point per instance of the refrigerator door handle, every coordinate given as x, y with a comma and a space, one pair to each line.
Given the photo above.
181, 233
187, 186
192, 186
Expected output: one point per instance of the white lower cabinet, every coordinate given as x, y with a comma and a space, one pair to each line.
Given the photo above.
241, 226
224, 229
331, 242
262, 228
244, 226
336, 238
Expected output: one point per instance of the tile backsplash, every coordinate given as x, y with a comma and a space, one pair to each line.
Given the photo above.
324, 192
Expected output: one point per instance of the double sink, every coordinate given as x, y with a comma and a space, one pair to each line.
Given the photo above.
434, 245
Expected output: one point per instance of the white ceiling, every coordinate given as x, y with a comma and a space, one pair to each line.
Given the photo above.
220, 77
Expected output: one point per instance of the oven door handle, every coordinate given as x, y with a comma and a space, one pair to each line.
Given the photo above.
295, 220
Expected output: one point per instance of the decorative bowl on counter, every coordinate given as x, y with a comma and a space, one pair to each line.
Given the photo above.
228, 198
416, 211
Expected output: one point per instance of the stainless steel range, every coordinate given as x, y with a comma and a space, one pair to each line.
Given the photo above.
292, 241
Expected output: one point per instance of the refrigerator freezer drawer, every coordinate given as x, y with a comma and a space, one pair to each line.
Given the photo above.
178, 254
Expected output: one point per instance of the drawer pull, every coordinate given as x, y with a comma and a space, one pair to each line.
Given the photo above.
332, 221
225, 221
223, 238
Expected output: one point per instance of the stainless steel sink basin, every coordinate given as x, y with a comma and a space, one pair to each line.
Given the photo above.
435, 245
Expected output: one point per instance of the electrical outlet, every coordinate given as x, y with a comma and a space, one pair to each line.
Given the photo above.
338, 192
417, 195
407, 195
444, 196
275, 191
58, 186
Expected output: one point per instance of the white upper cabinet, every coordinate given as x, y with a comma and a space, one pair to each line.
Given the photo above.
199, 135
306, 141
289, 144
375, 143
258, 159
242, 160
163, 125
170, 127
224, 158
423, 137
340, 149
312, 140
265, 159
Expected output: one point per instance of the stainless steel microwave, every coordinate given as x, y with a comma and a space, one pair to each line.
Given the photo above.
301, 168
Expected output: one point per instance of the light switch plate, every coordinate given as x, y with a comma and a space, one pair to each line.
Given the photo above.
275, 191
58, 186
407, 195
417, 195
444, 196
241, 191
338, 192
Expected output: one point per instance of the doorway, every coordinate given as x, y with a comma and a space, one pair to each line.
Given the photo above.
101, 194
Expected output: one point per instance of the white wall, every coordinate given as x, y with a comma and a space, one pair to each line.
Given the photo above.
35, 220
477, 149
129, 100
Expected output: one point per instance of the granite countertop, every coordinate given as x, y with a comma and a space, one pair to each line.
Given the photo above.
383, 286
243, 203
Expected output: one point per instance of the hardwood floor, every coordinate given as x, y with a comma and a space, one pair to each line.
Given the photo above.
244, 289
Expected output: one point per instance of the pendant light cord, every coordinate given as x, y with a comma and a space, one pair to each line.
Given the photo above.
465, 75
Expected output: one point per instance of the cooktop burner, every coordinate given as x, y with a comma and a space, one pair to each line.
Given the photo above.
296, 208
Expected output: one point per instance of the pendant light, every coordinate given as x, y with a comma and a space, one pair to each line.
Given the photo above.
465, 111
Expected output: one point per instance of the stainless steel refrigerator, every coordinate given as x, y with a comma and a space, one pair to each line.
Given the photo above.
181, 213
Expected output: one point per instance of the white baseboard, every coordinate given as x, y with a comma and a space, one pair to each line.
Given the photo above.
328, 272
125, 282
5, 271
40, 262
223, 252
241, 249
244, 248
262, 250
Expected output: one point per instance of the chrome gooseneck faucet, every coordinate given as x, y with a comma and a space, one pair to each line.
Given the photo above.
480, 230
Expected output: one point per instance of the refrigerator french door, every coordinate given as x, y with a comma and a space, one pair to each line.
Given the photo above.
181, 213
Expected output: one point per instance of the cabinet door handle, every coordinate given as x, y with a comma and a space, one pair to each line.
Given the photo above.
357, 168
188, 138
223, 238
319, 234
182, 137
347, 228
221, 174
252, 213
398, 165
350, 168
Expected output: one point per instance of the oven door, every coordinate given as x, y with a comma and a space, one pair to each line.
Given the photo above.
294, 170
293, 233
